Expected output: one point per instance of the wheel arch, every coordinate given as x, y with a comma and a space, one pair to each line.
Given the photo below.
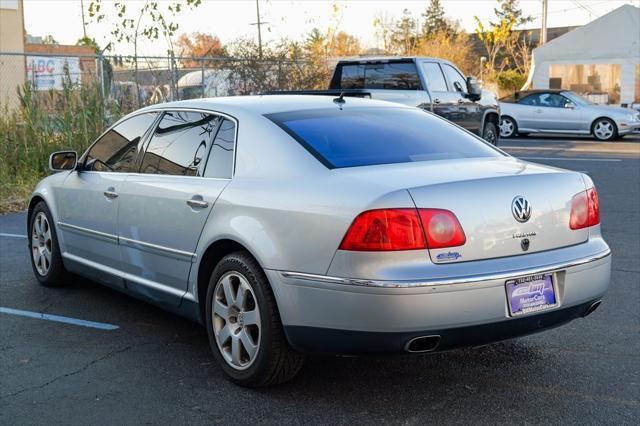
491, 116
32, 203
593, 122
211, 256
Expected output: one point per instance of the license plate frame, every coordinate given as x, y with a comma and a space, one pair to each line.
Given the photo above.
531, 294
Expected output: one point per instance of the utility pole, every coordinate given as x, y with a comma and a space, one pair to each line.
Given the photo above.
543, 30
84, 24
259, 24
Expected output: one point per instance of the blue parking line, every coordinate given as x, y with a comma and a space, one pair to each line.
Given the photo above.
58, 318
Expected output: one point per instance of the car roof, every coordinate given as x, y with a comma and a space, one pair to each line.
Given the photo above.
269, 104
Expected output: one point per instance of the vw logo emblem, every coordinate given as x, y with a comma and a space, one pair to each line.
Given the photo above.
521, 209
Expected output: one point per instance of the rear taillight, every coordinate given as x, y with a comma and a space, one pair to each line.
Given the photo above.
403, 229
442, 228
385, 230
585, 209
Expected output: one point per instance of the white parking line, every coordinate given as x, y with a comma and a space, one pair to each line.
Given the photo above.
2, 234
58, 318
571, 159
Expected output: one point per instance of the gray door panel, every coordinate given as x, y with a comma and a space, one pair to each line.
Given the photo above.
89, 205
159, 228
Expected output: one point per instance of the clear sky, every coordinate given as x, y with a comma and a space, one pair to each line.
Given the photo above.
292, 19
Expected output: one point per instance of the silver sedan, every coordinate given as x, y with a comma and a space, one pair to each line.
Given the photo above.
562, 111
289, 225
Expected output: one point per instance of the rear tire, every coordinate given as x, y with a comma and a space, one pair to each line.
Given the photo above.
508, 127
46, 260
244, 327
604, 129
490, 133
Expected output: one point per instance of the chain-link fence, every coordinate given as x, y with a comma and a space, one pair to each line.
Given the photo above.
132, 82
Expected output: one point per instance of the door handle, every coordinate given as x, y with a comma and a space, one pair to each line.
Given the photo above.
539, 111
110, 193
460, 101
197, 202
436, 101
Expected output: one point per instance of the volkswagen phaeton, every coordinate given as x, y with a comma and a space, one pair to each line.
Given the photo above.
293, 225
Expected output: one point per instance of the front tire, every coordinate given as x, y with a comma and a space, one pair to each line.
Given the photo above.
244, 327
490, 133
604, 129
508, 127
46, 259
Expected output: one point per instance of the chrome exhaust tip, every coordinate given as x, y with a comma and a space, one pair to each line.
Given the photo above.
422, 344
592, 308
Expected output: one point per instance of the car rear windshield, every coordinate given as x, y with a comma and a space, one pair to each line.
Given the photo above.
391, 76
352, 137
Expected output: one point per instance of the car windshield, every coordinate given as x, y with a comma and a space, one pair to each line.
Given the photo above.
352, 137
577, 99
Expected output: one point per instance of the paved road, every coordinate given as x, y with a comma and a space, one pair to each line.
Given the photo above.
156, 368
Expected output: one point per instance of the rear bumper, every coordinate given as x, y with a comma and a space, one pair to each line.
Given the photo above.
332, 341
335, 315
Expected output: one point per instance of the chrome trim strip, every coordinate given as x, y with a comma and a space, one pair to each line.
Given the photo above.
448, 281
183, 255
88, 232
180, 254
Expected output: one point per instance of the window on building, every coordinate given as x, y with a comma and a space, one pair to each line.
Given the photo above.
600, 83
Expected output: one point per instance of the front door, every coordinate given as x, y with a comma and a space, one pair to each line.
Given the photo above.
164, 207
469, 112
89, 201
444, 103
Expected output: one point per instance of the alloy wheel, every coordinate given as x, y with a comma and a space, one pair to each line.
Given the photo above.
603, 129
506, 128
236, 320
41, 243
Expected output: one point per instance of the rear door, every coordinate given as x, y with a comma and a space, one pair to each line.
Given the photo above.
89, 199
188, 162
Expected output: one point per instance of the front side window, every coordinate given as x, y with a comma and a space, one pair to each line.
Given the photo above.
434, 76
457, 80
392, 76
368, 136
547, 100
116, 150
180, 144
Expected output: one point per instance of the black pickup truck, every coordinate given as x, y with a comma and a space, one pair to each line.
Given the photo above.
430, 83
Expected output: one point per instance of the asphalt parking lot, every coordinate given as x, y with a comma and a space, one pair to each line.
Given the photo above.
156, 368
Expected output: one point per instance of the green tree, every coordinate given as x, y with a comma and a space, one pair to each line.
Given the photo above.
434, 19
510, 10
404, 37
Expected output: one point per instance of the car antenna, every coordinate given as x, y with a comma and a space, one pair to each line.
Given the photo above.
340, 99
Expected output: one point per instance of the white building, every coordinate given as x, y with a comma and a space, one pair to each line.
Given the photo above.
600, 60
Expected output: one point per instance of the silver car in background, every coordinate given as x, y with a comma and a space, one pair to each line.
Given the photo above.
289, 225
563, 111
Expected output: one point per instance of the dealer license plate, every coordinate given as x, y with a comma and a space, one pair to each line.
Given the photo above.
530, 294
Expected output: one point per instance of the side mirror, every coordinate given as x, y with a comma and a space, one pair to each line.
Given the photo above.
63, 160
474, 92
569, 105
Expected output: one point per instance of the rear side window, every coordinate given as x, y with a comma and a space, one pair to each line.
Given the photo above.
434, 76
116, 150
394, 76
180, 144
220, 163
367, 136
